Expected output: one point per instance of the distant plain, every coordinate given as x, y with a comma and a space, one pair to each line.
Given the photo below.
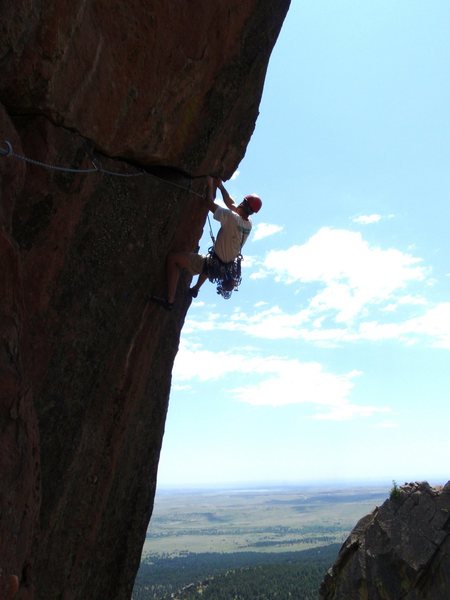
269, 519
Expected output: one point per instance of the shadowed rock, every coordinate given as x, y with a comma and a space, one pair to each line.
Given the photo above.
400, 551
85, 360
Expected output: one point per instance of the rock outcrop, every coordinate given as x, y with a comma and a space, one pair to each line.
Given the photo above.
399, 552
85, 361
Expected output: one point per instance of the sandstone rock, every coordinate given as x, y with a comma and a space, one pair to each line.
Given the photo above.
159, 82
85, 360
400, 551
19, 438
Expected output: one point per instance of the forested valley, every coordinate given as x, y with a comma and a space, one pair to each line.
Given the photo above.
235, 576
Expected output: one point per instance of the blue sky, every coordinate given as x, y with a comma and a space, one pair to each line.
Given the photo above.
332, 361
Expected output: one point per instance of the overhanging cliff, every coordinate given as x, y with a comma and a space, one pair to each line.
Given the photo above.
85, 360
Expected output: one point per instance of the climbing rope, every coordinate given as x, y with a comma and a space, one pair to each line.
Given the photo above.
210, 230
9, 152
116, 173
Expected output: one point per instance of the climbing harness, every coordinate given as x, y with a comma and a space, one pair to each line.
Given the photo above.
227, 276
96, 168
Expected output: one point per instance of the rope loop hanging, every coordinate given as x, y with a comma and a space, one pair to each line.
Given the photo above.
8, 150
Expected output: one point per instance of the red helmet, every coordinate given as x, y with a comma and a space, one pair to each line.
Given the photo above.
253, 202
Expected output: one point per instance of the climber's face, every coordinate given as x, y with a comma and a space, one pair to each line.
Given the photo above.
243, 209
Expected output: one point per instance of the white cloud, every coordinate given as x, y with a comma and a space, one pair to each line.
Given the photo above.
369, 219
293, 382
263, 230
260, 274
235, 175
204, 365
248, 261
260, 303
347, 411
350, 291
404, 301
181, 388
209, 322
366, 219
353, 274
276, 381
272, 323
434, 323
198, 304
193, 362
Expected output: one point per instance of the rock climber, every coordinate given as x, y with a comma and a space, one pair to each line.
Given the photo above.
217, 266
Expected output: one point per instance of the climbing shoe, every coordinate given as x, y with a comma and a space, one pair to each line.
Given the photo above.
162, 302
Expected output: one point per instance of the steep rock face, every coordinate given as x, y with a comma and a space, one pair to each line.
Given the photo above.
400, 551
174, 83
85, 360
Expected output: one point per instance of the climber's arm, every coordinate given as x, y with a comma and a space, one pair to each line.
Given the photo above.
229, 202
211, 195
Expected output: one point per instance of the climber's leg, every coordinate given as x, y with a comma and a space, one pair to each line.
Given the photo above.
175, 262
200, 281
